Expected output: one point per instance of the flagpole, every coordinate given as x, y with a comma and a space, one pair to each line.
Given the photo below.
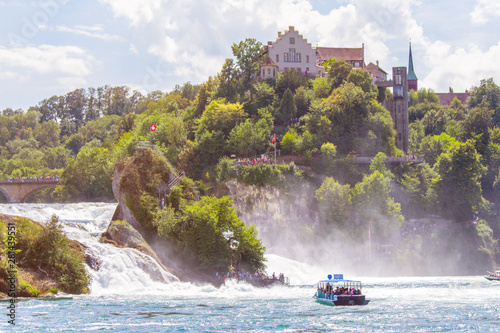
370, 244
274, 149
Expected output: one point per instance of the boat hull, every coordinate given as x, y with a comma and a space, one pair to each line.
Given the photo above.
492, 278
343, 300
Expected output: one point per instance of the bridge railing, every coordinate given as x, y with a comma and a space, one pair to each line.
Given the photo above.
29, 181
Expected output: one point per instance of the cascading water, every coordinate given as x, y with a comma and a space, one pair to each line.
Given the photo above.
120, 269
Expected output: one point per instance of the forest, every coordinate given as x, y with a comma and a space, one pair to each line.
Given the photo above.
319, 123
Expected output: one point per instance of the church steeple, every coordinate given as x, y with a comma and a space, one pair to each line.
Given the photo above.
412, 78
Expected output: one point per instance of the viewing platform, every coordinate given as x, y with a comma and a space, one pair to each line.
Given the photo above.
391, 160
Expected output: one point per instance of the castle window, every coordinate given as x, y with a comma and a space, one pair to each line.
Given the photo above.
292, 55
263, 73
285, 57
277, 58
307, 58
292, 40
399, 136
298, 57
398, 79
269, 72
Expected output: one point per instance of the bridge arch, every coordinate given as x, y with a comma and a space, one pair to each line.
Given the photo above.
5, 194
27, 194
18, 192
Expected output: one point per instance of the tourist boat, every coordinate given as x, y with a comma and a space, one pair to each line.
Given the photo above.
493, 276
338, 291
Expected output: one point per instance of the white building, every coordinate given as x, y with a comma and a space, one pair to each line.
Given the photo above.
291, 51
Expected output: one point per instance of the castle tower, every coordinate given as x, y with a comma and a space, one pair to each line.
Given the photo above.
400, 108
412, 78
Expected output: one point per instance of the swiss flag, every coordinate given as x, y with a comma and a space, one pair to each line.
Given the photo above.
274, 138
153, 127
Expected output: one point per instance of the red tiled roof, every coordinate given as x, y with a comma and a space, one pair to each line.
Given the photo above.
325, 53
372, 67
268, 62
446, 98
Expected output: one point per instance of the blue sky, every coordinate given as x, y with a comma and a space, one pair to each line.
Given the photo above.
50, 47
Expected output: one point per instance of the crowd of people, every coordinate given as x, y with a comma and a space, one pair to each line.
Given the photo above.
328, 291
247, 276
33, 179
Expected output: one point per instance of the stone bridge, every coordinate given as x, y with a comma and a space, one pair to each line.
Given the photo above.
18, 192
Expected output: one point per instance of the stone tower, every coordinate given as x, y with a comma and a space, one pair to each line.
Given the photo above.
412, 78
400, 108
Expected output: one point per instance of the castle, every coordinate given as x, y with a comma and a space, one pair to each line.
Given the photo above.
291, 51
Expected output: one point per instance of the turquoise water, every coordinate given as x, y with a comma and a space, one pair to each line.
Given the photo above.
441, 304
125, 298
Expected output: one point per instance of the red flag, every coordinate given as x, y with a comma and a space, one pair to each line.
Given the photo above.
153, 127
274, 138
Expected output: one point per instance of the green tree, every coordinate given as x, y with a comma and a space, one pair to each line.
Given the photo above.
88, 177
303, 99
210, 235
249, 138
228, 84
322, 87
290, 79
361, 78
338, 72
375, 206
328, 153
249, 55
289, 142
458, 185
57, 158
334, 201
221, 116
287, 108
264, 95
487, 92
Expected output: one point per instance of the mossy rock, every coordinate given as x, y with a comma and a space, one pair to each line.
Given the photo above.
120, 233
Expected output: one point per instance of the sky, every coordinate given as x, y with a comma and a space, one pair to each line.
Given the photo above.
51, 47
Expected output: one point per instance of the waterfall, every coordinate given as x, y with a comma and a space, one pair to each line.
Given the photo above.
120, 269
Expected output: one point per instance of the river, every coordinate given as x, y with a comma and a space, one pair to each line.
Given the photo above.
124, 298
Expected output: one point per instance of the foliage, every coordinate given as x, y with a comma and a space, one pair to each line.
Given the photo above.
88, 176
335, 203
249, 138
249, 55
458, 187
211, 236
287, 109
221, 116
329, 152
46, 248
487, 92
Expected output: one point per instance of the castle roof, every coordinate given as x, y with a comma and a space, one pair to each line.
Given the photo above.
371, 67
269, 62
411, 72
325, 53
445, 99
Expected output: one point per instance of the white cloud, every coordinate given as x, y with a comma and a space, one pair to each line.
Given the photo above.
195, 36
133, 49
89, 31
485, 10
47, 59
460, 68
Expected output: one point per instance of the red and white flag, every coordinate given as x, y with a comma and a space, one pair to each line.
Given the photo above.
274, 138
153, 127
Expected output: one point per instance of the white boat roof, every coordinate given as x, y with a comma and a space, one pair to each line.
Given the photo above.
336, 281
